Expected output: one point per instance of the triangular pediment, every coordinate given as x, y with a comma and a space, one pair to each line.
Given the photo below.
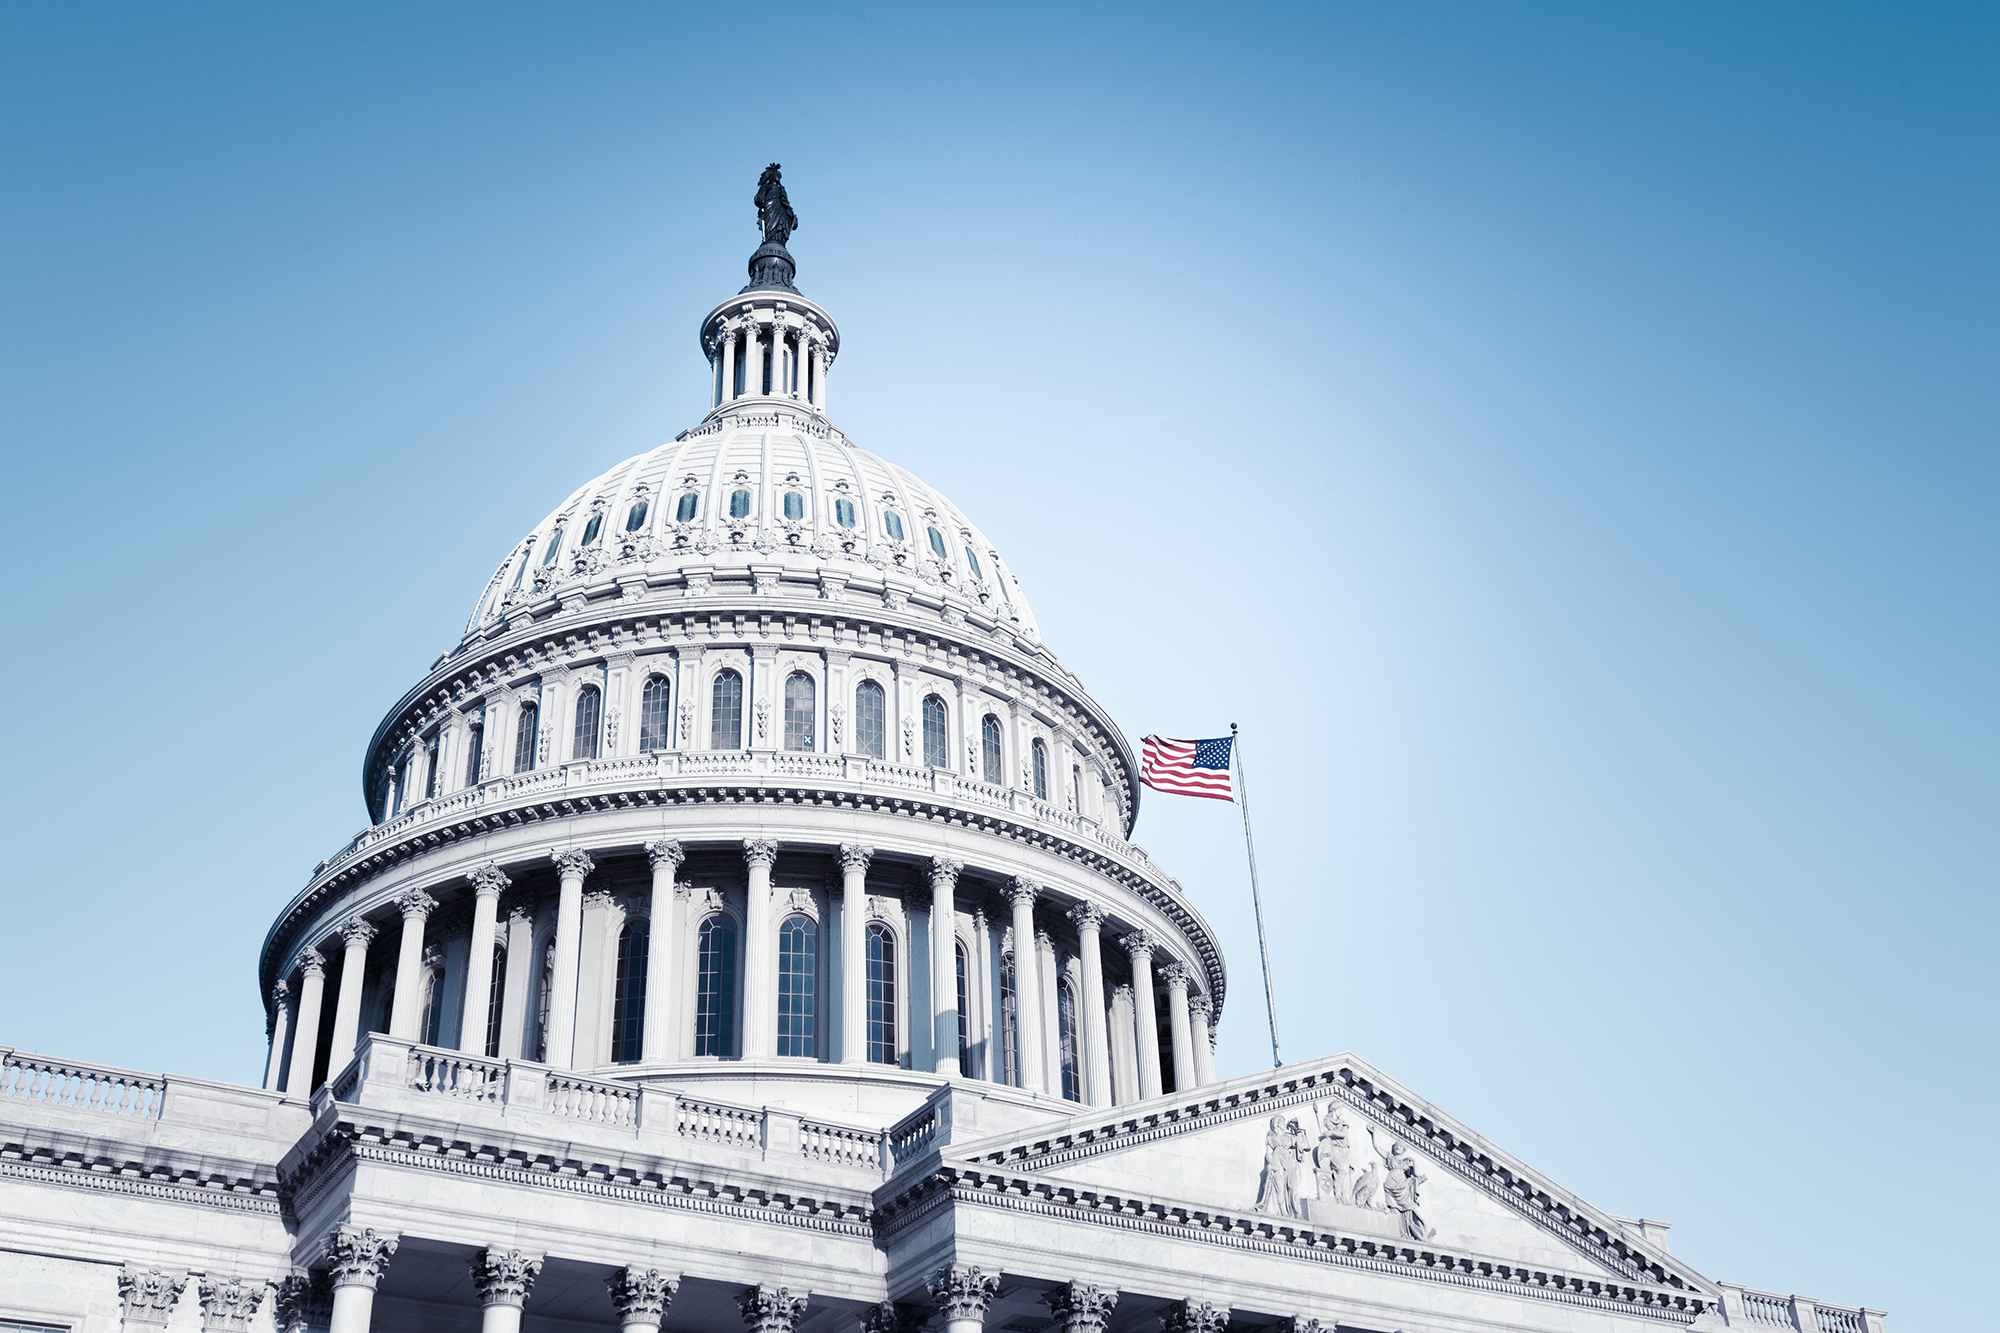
1333, 1146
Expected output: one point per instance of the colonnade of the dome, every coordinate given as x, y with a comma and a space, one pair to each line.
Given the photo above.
761, 345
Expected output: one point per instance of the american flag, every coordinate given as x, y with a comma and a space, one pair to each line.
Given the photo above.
1188, 768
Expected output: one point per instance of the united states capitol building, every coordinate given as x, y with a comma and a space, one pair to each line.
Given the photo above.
748, 940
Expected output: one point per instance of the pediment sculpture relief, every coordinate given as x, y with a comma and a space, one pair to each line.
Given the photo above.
1322, 1171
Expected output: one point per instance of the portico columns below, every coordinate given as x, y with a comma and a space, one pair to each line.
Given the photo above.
944, 966
357, 1256
503, 1279
962, 1294
1175, 974
854, 859
642, 1296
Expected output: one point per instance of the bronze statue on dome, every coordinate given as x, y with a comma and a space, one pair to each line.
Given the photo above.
774, 210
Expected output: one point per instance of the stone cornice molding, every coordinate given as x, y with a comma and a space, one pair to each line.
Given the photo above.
572, 863
489, 880
415, 904
962, 1291
358, 1256
504, 1277
665, 852
642, 1295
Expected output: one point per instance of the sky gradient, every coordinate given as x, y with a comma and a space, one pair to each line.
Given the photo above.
1564, 437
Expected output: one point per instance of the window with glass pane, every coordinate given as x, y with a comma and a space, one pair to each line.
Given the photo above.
433, 1018
628, 999
937, 544
591, 529
937, 754
433, 780
1072, 1086
801, 705
725, 712
843, 513
798, 976
9, 1327
1076, 789
989, 749
715, 988
656, 717
795, 505
739, 504
870, 719
589, 708
685, 514
555, 544
881, 995
1041, 756
475, 753
524, 738
892, 523
1009, 1033
636, 518
545, 992
972, 562
964, 1037
496, 997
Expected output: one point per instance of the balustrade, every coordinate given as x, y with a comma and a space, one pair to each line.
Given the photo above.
587, 1099
81, 1087
453, 1074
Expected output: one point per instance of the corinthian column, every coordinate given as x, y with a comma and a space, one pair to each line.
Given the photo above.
404, 1018
662, 930
1088, 917
356, 934
1147, 1020
768, 1309
1175, 974
228, 1304
1081, 1307
358, 1258
944, 966
503, 1279
854, 858
571, 866
760, 952
281, 1026
1204, 1040
727, 342
962, 1294
642, 1296
477, 1012
1028, 1058
305, 1046
1193, 1316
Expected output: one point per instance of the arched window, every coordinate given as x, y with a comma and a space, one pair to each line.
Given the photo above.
583, 745
892, 523
1041, 757
496, 997
433, 1013
725, 712
937, 544
739, 504
989, 750
801, 706
1010, 1036
964, 1027
795, 505
937, 754
635, 518
870, 721
628, 1002
555, 544
881, 994
798, 959
475, 752
972, 562
1072, 1080
685, 512
656, 717
524, 737
1076, 788
715, 988
544, 994
843, 513
433, 779
591, 529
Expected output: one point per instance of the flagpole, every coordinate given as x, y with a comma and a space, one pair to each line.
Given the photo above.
1256, 901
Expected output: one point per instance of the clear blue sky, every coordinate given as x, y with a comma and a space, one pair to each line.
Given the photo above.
1562, 436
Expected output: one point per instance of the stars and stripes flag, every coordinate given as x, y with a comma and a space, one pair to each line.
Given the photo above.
1188, 768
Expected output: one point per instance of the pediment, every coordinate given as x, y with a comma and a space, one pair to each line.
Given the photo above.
1333, 1146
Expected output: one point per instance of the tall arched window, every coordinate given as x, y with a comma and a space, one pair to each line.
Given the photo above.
1072, 1081
433, 779
715, 988
544, 994
656, 716
881, 995
964, 1027
1010, 1036
524, 737
892, 523
684, 513
870, 720
973, 561
798, 960
801, 706
937, 545
496, 997
1041, 757
589, 712
739, 504
636, 517
555, 544
475, 754
989, 749
592, 528
628, 1000
795, 505
725, 712
937, 754
1076, 788
843, 513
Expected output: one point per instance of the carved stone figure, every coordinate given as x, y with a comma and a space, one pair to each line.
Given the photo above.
1333, 1158
1284, 1148
1400, 1186
774, 210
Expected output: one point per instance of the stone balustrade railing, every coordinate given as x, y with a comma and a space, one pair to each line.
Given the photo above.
81, 1087
1801, 1314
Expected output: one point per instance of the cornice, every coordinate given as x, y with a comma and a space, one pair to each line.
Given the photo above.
102, 1178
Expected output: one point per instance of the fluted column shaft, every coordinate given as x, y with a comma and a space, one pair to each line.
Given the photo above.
571, 866
305, 1046
404, 1017
477, 1010
1204, 1050
760, 950
944, 966
854, 860
1089, 917
281, 1026
356, 935
1028, 1059
1146, 1017
728, 366
662, 945
1176, 978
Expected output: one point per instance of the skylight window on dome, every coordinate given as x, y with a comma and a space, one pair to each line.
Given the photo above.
739, 504
689, 503
937, 544
591, 529
973, 562
892, 523
636, 519
795, 505
843, 513
555, 544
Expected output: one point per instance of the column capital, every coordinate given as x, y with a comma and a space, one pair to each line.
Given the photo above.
856, 856
1173, 972
312, 962
489, 879
1122, 991
1141, 943
889, 1317
1193, 1316
962, 1291
228, 1303
281, 994
1299, 1323
945, 871
1081, 1307
504, 1277
301, 1301
1043, 940
1199, 1007
1023, 888
520, 910
1088, 916
665, 852
642, 1295
768, 1309
359, 1256
147, 1295
760, 852
416, 903
572, 863
358, 931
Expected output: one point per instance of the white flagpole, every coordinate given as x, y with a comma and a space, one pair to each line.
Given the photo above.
1256, 901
